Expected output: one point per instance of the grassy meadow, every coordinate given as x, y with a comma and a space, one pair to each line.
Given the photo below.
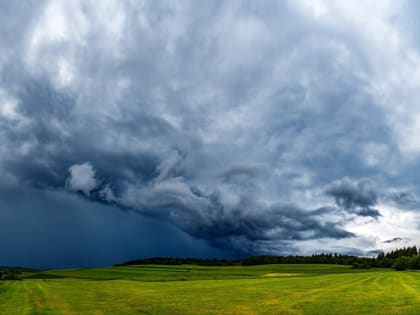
187, 289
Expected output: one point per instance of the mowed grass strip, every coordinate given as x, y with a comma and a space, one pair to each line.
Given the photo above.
316, 289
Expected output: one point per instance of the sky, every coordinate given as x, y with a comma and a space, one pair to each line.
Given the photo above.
131, 129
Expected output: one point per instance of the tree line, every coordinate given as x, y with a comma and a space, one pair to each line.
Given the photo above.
9, 274
399, 259
337, 259
14, 273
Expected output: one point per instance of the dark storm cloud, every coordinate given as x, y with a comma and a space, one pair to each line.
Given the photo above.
153, 185
52, 229
227, 218
235, 227
357, 197
225, 119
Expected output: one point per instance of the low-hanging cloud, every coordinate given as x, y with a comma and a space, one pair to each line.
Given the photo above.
225, 218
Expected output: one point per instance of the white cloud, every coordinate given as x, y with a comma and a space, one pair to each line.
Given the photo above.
81, 178
8, 106
394, 223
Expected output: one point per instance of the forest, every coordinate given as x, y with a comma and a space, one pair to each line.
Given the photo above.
399, 259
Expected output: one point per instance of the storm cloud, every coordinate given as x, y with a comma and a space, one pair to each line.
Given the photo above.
357, 197
250, 127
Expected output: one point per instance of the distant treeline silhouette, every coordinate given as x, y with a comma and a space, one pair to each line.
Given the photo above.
255, 260
13, 273
400, 259
9, 274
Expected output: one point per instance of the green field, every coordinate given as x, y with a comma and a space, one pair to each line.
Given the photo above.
267, 289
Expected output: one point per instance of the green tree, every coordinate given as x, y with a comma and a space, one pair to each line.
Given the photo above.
415, 263
402, 263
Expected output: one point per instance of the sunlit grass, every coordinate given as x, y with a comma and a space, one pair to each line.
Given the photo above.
269, 289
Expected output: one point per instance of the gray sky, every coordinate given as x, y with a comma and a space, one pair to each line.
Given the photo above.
207, 128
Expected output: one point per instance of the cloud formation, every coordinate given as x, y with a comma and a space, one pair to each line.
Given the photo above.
356, 197
81, 178
255, 127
